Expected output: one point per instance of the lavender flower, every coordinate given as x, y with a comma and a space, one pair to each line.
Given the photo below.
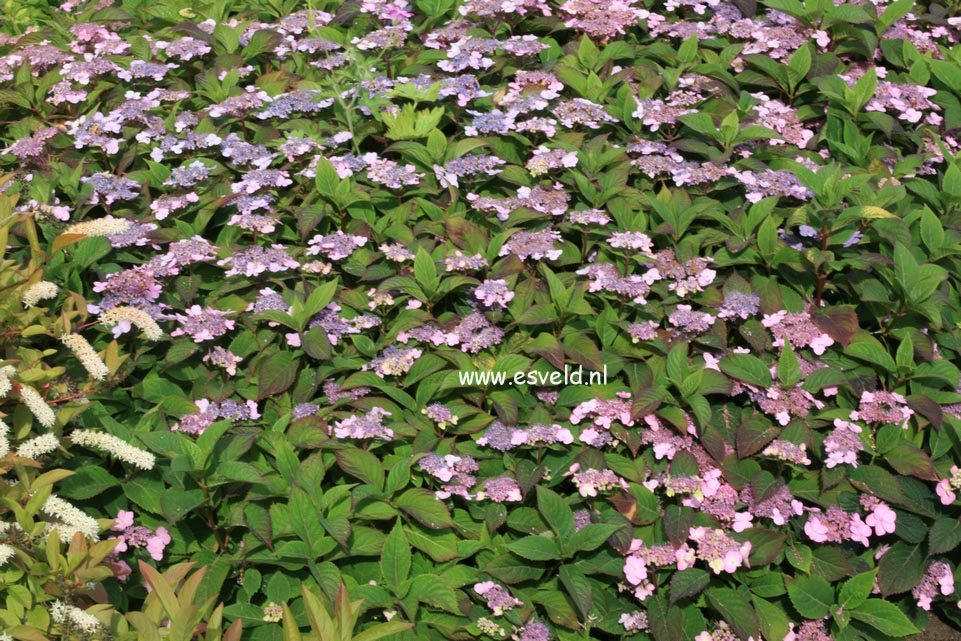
202, 324
335, 246
395, 361
536, 245
188, 175
459, 262
579, 111
843, 444
500, 489
739, 305
689, 321
111, 188
389, 173
494, 293
254, 261
369, 425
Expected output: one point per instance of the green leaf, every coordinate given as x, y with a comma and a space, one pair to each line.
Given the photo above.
747, 368
688, 583
775, 625
89, 481
885, 617
864, 90
408, 125
258, 520
932, 233
425, 272
788, 368
535, 548
556, 512
540, 314
766, 545
811, 596
904, 358
395, 559
641, 507
880, 483
945, 535
591, 536
434, 591
799, 65
145, 492
905, 267
737, 610
320, 298
677, 363
901, 568
176, 504
840, 322
799, 556
305, 519
667, 623
928, 279
767, 238
361, 464
868, 348
422, 505
326, 179
587, 53
438, 545
908, 459
578, 588
507, 568
381, 630
276, 374
857, 589
687, 52
320, 622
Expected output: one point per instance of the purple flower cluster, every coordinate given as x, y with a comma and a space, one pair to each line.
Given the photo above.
364, 426
209, 412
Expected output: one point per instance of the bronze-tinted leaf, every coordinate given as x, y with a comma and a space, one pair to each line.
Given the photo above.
927, 408
840, 323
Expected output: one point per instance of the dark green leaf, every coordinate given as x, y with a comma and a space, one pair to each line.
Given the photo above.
688, 583
425, 507
901, 568
737, 610
276, 374
857, 589
535, 548
395, 560
747, 368
945, 535
361, 464
885, 617
811, 596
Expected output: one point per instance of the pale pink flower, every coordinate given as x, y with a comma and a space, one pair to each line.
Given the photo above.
882, 519
157, 543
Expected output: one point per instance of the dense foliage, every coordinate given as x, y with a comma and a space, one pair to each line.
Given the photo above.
259, 259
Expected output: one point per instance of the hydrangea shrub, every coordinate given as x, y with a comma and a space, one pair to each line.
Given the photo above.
480, 319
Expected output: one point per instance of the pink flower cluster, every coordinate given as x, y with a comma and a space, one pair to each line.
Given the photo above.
591, 481
603, 414
798, 329
883, 407
499, 600
133, 537
838, 526
938, 579
946, 487
210, 412
717, 548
